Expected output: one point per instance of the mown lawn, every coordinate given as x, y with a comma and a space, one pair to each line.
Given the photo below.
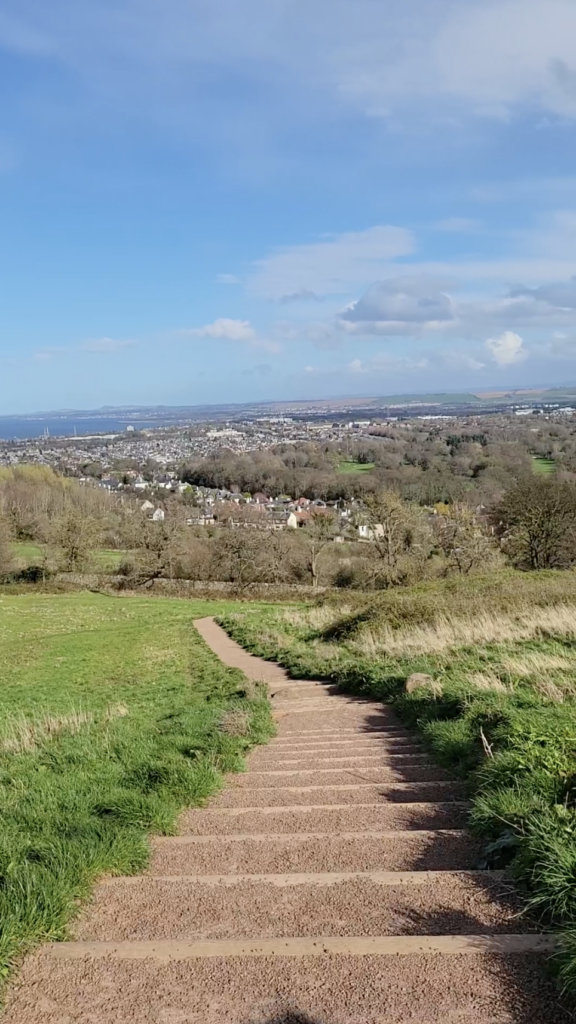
498, 707
113, 716
543, 466
355, 467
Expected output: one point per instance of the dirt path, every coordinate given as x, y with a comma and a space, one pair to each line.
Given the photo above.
333, 883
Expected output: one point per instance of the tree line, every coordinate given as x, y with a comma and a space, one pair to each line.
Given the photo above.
532, 525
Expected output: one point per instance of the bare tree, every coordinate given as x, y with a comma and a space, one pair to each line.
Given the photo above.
462, 539
6, 557
400, 537
76, 535
318, 531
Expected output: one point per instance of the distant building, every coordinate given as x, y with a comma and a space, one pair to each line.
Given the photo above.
159, 516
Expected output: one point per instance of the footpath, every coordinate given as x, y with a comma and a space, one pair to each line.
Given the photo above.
332, 883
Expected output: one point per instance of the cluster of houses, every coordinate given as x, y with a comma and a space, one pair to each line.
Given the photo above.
260, 510
229, 508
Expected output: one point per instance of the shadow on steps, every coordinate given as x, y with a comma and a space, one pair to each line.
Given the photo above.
289, 1017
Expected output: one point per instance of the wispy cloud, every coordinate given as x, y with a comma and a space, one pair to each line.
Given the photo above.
227, 279
106, 346
330, 266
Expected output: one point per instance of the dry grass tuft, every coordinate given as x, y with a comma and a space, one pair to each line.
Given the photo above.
549, 689
488, 681
22, 734
533, 663
235, 722
450, 631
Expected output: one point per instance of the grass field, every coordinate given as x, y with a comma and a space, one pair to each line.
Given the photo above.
348, 466
543, 466
102, 560
113, 716
498, 709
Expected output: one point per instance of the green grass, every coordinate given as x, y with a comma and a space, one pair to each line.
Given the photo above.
113, 716
543, 466
502, 653
108, 560
348, 466
27, 553
102, 560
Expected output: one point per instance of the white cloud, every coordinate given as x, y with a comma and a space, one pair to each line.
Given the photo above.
507, 349
498, 57
229, 330
332, 266
224, 329
399, 306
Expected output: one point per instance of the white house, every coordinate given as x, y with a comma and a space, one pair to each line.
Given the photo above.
366, 532
159, 516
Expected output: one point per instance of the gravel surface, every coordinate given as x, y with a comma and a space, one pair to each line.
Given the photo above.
350, 793
330, 990
180, 909
324, 760
268, 779
335, 820
415, 852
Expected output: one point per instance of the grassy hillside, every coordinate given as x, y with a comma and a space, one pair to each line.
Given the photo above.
498, 708
113, 716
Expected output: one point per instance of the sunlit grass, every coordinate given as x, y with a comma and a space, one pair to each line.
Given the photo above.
114, 715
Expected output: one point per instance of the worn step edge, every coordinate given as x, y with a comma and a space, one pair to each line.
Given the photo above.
321, 878
383, 786
309, 771
283, 809
385, 945
285, 756
329, 702
372, 730
289, 743
334, 757
297, 837
293, 740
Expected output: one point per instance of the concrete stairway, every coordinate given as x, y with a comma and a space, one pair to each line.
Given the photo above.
333, 883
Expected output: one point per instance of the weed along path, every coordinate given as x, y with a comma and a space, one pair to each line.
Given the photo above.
332, 883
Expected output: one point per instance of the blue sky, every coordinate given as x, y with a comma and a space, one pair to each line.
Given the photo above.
213, 201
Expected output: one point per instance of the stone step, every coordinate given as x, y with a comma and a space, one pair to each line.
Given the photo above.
332, 819
363, 851
323, 760
349, 793
380, 980
277, 778
335, 743
343, 732
299, 905
329, 723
